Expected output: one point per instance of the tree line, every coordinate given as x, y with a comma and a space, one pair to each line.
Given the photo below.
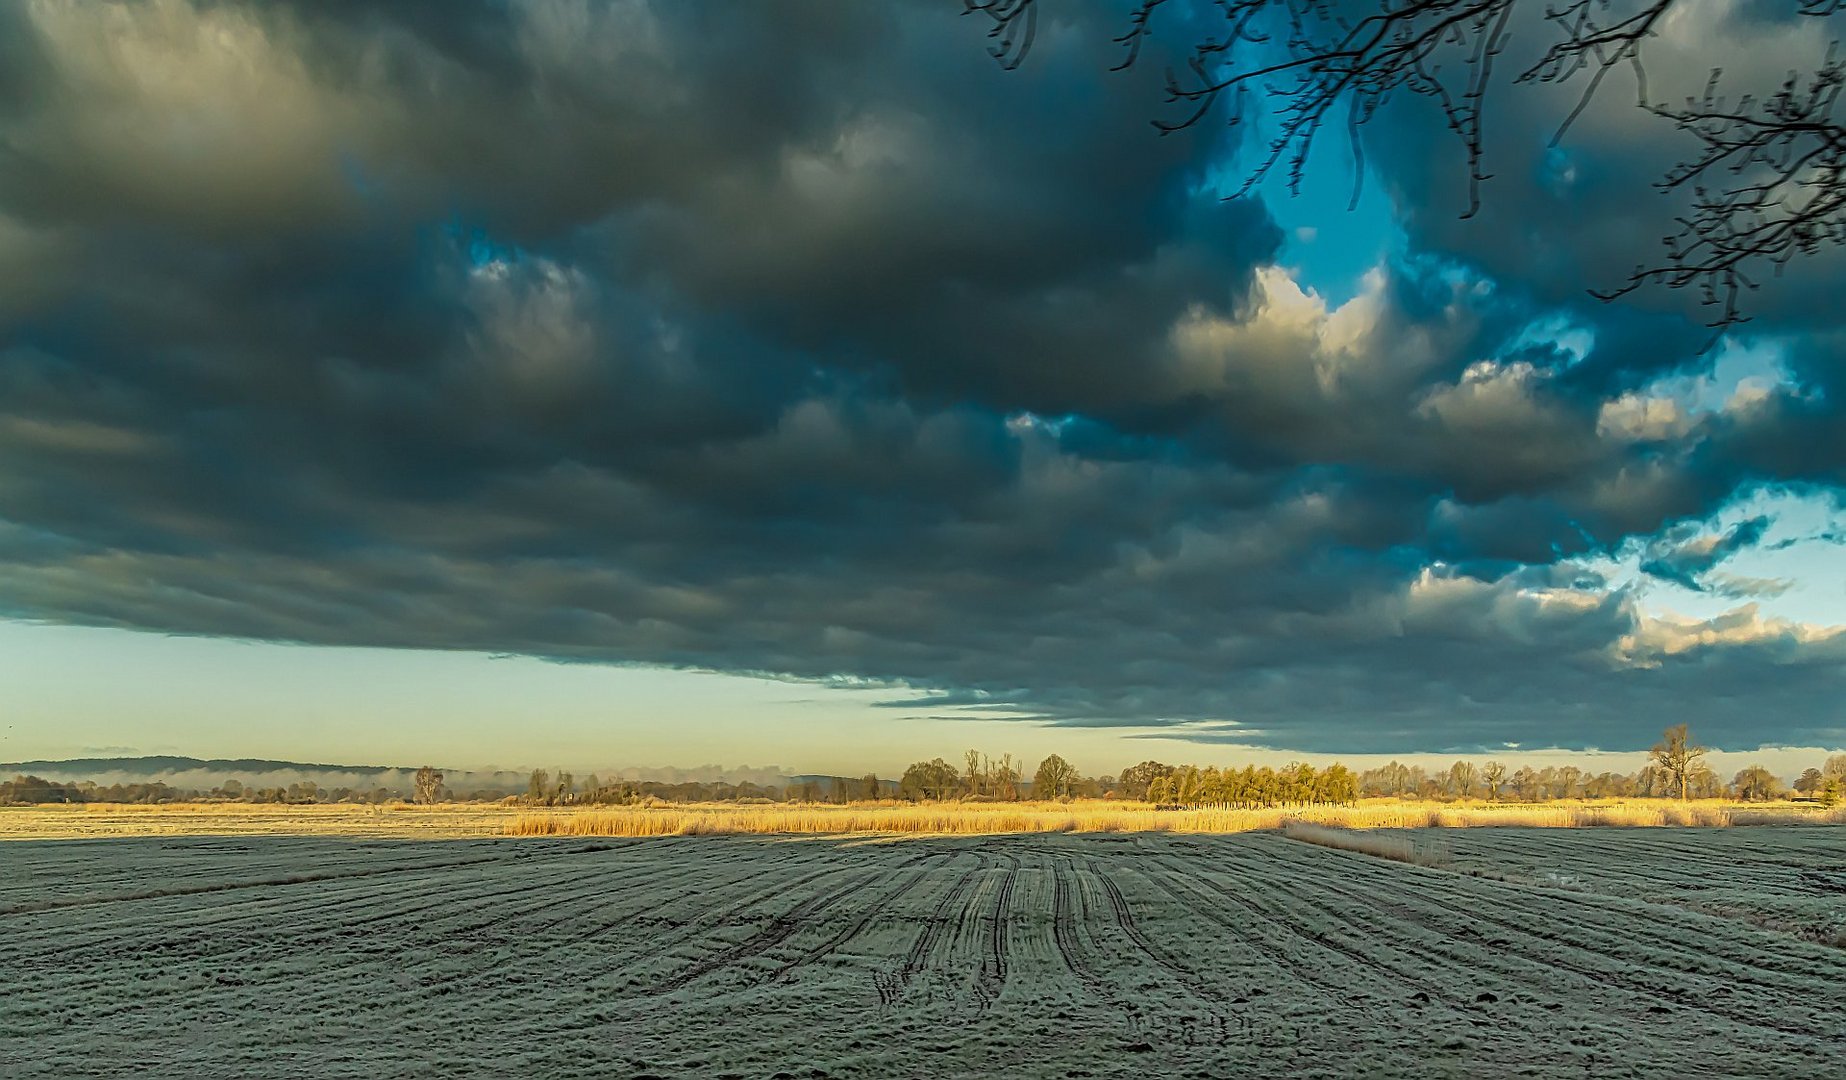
24, 790
1676, 769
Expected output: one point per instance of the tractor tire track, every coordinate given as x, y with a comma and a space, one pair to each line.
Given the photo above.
852, 930
991, 979
781, 928
1064, 929
892, 986
1530, 927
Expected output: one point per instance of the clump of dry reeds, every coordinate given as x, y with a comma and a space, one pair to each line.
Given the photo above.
1397, 846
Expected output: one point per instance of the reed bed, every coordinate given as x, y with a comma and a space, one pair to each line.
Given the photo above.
1114, 817
457, 820
401, 820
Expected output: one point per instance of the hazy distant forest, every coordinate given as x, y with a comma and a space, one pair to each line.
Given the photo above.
1675, 770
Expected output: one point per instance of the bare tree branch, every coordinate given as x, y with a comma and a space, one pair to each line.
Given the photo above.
1015, 24
1768, 182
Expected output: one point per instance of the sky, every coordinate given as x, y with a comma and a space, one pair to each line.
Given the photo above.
678, 383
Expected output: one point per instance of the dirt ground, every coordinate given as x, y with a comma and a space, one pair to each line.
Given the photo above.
1048, 955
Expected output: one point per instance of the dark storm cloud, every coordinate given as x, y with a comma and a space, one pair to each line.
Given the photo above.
1561, 218
1558, 218
798, 339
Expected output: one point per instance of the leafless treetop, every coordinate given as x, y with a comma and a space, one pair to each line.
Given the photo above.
1768, 183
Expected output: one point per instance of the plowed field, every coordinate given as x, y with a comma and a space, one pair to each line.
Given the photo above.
1046, 955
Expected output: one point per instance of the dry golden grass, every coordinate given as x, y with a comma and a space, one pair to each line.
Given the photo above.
1102, 816
478, 819
396, 820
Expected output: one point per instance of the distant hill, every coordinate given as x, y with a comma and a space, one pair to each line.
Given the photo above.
159, 765
198, 776
202, 773
886, 785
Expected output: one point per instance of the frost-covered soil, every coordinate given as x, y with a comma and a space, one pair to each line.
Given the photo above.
1788, 877
1048, 955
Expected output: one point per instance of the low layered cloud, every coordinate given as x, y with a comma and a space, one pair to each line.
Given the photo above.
801, 340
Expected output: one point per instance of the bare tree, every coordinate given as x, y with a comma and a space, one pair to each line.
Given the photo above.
1461, 779
1833, 780
975, 774
1493, 774
1055, 778
1003, 776
1703, 783
1756, 784
1782, 157
429, 784
1768, 185
935, 779
1678, 757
